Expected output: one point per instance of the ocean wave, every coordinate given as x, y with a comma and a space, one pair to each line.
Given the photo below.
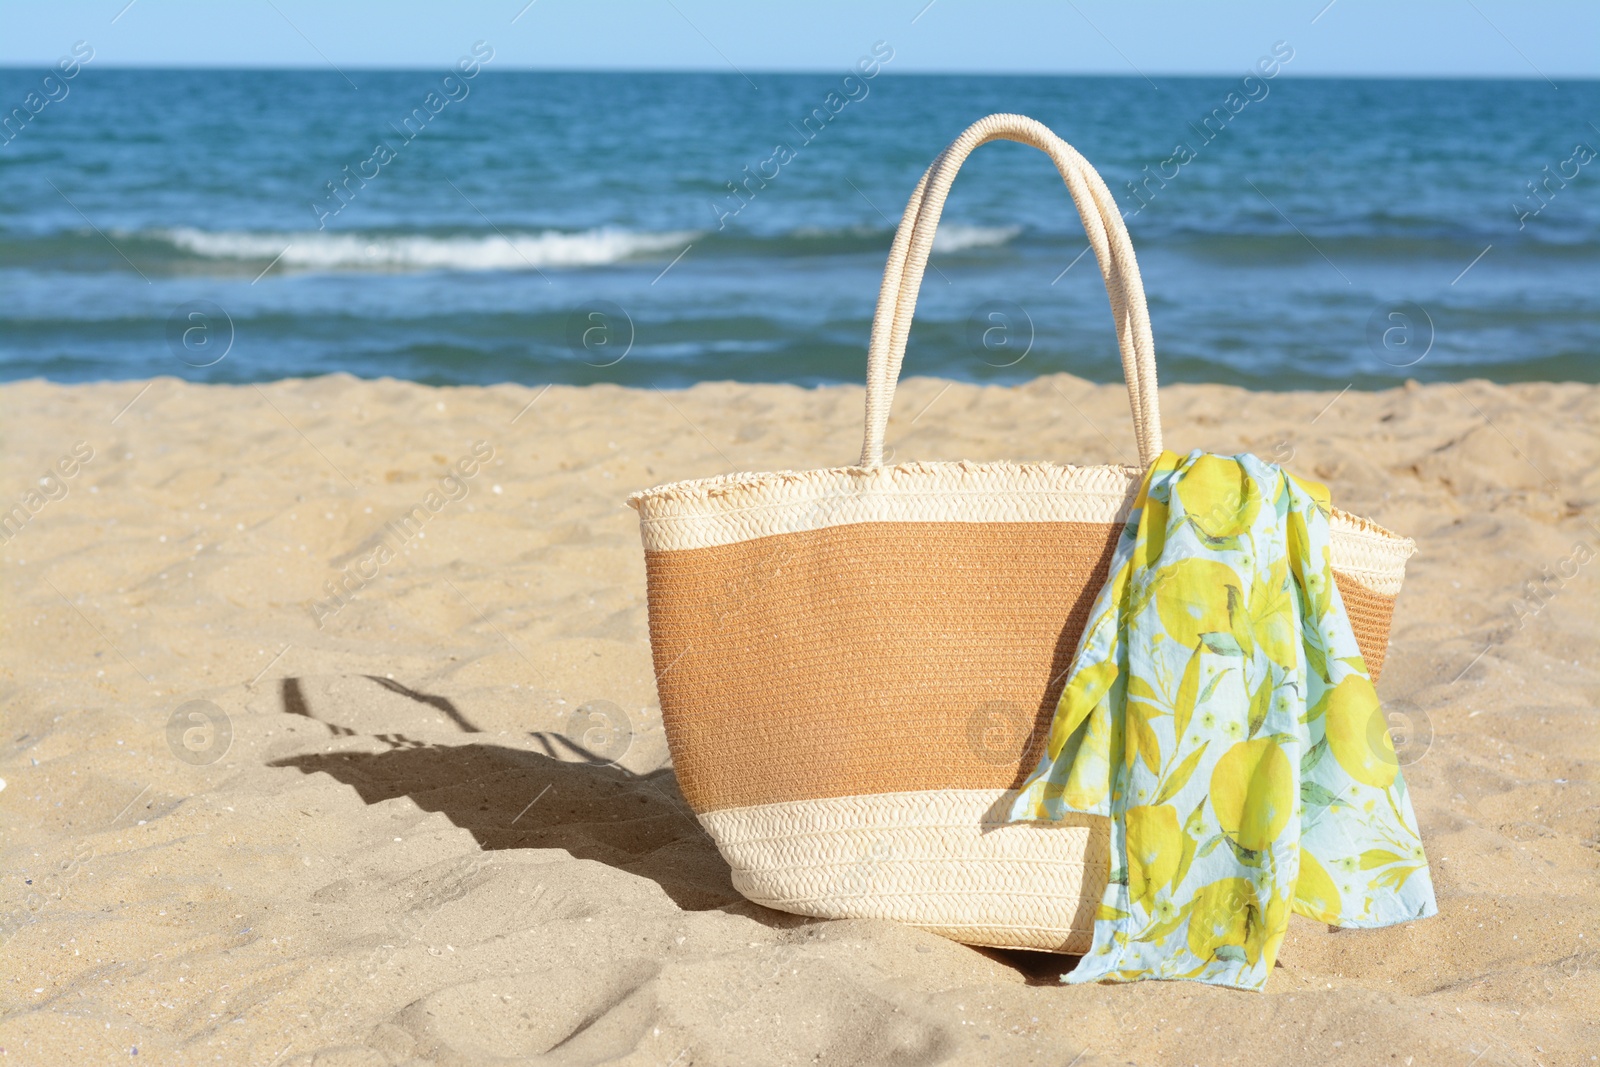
315, 250
956, 237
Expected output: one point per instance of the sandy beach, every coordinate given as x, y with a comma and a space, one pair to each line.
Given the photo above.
410, 611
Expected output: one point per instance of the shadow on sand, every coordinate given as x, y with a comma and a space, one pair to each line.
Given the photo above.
567, 797
562, 796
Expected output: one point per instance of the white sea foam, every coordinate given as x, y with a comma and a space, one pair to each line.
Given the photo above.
954, 237
316, 250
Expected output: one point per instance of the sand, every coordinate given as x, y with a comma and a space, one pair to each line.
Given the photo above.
379, 845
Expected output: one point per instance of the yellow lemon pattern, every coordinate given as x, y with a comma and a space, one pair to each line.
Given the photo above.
1252, 793
1157, 848
1357, 734
1218, 712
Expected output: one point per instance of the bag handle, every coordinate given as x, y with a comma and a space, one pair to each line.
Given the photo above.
908, 259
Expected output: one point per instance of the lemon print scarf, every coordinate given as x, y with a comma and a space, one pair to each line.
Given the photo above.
1220, 714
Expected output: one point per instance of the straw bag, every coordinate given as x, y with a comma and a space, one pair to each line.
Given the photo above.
856, 665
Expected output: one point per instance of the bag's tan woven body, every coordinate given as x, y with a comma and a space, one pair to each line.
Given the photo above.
857, 665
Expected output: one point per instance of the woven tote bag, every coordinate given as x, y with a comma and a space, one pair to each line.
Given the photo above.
857, 666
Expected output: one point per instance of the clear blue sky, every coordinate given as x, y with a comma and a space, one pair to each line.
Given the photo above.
1475, 38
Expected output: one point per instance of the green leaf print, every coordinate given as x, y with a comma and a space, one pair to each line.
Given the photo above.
1317, 795
1222, 644
1313, 756
1260, 704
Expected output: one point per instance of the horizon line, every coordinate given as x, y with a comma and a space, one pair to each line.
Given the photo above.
1284, 75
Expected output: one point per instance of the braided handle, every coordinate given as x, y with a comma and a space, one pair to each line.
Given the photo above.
908, 259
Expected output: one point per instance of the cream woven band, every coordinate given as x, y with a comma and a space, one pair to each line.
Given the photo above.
739, 507
942, 860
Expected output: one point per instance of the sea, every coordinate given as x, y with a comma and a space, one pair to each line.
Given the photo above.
660, 229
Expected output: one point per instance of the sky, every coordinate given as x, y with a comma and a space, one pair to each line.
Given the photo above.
1548, 39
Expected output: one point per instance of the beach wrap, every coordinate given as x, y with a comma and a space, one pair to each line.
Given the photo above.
1219, 713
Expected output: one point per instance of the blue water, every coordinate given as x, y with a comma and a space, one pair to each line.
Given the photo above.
534, 228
